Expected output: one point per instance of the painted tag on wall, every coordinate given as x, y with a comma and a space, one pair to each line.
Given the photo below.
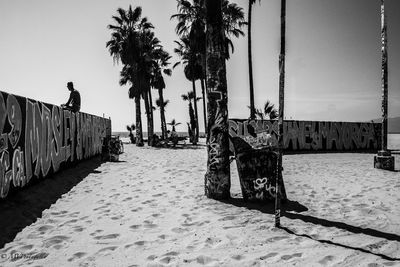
310, 136
37, 139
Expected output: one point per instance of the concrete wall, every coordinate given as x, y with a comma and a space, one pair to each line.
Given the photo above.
38, 139
303, 136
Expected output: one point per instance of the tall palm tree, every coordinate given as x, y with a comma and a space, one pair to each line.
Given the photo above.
125, 46
217, 177
251, 86
134, 92
160, 68
191, 19
193, 71
161, 104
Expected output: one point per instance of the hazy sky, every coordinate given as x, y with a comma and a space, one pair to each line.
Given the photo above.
333, 67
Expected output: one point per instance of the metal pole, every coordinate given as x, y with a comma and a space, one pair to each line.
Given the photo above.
384, 107
281, 114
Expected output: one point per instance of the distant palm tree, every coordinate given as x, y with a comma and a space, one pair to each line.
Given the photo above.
131, 128
217, 178
269, 111
161, 104
193, 71
160, 68
173, 123
190, 97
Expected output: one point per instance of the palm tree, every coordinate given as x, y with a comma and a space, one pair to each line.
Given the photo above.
133, 93
173, 123
160, 68
189, 96
191, 18
192, 69
217, 177
252, 108
125, 46
131, 128
161, 104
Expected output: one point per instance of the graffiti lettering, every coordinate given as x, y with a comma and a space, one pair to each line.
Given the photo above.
38, 139
309, 135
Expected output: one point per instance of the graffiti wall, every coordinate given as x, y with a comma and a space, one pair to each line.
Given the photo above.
309, 135
37, 139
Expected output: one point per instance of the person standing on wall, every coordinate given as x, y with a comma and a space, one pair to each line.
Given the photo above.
74, 101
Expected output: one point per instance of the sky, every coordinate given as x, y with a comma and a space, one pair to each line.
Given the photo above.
333, 58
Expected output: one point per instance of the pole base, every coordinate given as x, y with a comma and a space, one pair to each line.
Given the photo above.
384, 160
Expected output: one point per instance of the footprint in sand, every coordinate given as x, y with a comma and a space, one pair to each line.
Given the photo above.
78, 229
58, 239
76, 256
110, 236
326, 259
269, 255
135, 226
288, 257
117, 217
237, 257
42, 229
106, 250
140, 243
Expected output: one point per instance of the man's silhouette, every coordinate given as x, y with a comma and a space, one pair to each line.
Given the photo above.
74, 101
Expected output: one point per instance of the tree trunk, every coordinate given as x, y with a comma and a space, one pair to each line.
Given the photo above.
204, 104
139, 131
147, 107
252, 107
217, 177
151, 117
192, 123
195, 112
162, 115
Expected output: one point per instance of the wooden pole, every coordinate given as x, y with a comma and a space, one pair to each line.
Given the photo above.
281, 114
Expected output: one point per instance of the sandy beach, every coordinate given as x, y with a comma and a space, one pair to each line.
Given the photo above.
149, 209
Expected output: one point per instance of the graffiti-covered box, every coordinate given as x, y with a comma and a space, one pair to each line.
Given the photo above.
38, 139
257, 173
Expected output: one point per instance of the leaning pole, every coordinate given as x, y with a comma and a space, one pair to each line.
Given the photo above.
281, 114
384, 159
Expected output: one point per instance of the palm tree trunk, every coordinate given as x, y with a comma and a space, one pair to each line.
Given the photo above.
195, 112
162, 115
252, 107
151, 116
204, 103
217, 177
147, 107
139, 131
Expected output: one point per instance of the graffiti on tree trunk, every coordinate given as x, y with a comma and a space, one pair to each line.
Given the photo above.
37, 139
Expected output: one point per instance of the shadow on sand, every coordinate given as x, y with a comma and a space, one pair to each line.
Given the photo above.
292, 210
24, 206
